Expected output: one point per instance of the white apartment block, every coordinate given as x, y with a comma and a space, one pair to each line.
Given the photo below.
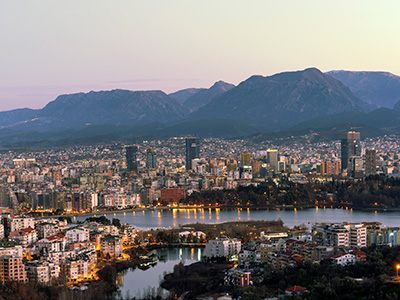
42, 271
222, 247
358, 236
16, 224
77, 234
76, 269
352, 235
344, 259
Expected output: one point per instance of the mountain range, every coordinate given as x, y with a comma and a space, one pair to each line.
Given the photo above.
381, 89
285, 102
282, 100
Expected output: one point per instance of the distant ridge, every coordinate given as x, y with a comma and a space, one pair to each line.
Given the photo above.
288, 103
378, 88
204, 96
282, 100
182, 95
119, 107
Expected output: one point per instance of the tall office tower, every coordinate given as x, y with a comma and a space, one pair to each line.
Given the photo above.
245, 159
131, 158
192, 151
151, 159
272, 159
351, 146
370, 162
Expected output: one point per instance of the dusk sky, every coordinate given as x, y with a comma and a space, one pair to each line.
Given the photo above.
53, 47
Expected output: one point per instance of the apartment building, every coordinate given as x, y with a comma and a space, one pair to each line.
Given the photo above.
222, 247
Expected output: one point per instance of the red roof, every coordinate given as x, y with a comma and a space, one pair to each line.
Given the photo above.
358, 252
296, 288
29, 229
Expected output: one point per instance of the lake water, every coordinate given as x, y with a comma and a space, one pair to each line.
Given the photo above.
175, 217
139, 282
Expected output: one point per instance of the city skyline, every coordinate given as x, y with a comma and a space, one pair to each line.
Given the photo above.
54, 48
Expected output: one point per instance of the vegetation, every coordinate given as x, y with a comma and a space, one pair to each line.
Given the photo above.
374, 279
197, 279
369, 193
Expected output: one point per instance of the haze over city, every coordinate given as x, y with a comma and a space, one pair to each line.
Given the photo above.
51, 48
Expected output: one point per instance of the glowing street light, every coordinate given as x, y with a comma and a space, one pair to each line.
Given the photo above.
397, 271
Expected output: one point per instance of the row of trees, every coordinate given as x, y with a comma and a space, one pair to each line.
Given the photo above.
371, 192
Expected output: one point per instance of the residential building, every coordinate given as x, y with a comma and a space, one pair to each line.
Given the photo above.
111, 245
12, 269
237, 277
222, 247
78, 234
42, 271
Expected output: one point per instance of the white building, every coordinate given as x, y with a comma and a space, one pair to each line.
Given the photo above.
222, 247
344, 259
358, 236
42, 271
16, 224
77, 234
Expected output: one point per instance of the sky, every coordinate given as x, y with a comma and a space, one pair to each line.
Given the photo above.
53, 47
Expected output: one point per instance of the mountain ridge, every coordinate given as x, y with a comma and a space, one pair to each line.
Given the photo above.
379, 88
281, 100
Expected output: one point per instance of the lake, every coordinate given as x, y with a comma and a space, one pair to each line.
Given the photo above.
148, 219
137, 282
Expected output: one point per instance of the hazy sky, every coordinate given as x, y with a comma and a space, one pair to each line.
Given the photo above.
52, 47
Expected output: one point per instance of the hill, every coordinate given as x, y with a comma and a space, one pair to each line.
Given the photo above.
204, 97
117, 107
182, 95
282, 100
378, 88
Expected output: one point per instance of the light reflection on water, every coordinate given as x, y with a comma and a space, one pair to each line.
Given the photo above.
138, 282
175, 217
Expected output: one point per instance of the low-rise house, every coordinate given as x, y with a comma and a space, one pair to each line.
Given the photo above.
361, 256
295, 290
54, 243
237, 277
344, 259
26, 236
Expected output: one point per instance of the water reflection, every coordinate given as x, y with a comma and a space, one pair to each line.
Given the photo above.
137, 282
172, 218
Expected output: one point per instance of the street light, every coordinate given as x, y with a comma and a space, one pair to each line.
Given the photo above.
397, 271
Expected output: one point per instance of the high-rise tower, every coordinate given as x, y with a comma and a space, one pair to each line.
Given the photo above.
151, 159
192, 151
272, 158
351, 146
131, 159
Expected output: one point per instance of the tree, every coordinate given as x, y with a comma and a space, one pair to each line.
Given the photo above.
116, 222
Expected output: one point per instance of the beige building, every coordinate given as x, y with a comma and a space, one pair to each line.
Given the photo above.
12, 269
42, 271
